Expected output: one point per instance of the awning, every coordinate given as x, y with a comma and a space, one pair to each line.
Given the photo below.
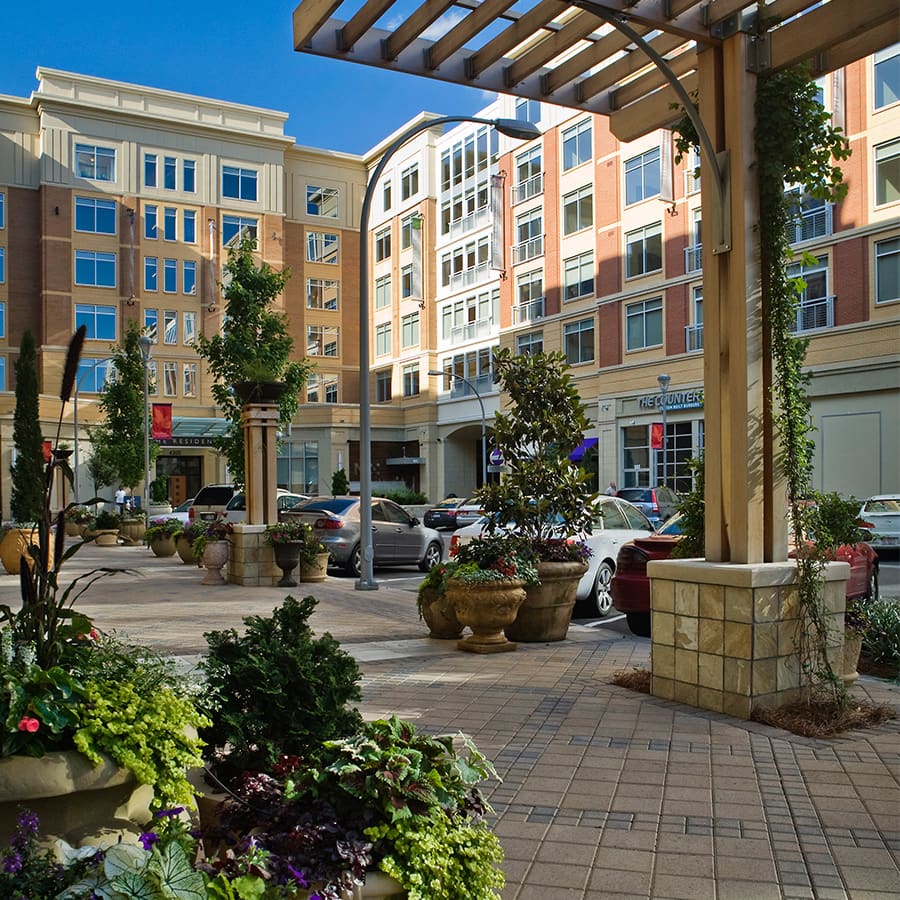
578, 453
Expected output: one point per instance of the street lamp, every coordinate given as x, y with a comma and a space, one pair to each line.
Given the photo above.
145, 342
524, 131
483, 419
663, 389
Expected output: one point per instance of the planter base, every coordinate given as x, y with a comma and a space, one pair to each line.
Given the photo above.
480, 643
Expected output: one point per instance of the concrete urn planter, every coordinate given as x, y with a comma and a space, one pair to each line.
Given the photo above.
547, 610
486, 608
215, 555
106, 537
14, 546
132, 531
316, 571
163, 546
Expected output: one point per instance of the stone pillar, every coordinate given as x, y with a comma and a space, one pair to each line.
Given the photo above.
260, 424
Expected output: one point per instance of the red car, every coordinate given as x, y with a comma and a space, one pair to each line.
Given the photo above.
631, 587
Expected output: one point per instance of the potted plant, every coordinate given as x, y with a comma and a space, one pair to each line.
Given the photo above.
487, 587
159, 497
161, 536
433, 605
184, 543
77, 520
314, 556
105, 529
543, 496
133, 525
287, 540
211, 547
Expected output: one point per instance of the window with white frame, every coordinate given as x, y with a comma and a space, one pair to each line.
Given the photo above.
232, 226
93, 374
407, 226
170, 167
170, 223
322, 340
576, 145
2, 210
383, 339
528, 110
406, 282
151, 169
322, 247
322, 387
578, 276
189, 226
642, 176
887, 173
528, 164
151, 230
95, 269
188, 327
2, 373
694, 331
95, 216
578, 210
2, 265
170, 326
386, 190
322, 201
151, 273
465, 261
644, 324
643, 250
530, 344
189, 176
578, 339
470, 317
95, 162
410, 375
409, 182
382, 244
151, 325
887, 270
475, 365
100, 321
170, 276
530, 295
2, 319
153, 376
816, 309
409, 330
170, 379
189, 277
529, 235
886, 76
189, 379
383, 386
321, 293
383, 292
239, 183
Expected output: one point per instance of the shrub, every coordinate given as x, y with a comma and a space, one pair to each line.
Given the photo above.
406, 497
107, 521
340, 484
165, 528
881, 641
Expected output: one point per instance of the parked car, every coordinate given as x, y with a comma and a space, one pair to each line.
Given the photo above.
181, 512
397, 537
444, 514
615, 522
210, 502
882, 515
657, 503
631, 585
236, 508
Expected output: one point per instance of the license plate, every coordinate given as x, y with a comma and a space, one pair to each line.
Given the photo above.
208, 517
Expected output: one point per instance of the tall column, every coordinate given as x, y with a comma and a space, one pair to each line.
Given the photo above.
260, 424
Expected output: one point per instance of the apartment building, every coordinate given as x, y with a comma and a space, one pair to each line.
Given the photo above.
117, 204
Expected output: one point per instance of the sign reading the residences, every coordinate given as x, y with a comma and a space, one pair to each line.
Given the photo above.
674, 400
196, 441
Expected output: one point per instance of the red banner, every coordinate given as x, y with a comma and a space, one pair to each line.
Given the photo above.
656, 436
47, 448
162, 421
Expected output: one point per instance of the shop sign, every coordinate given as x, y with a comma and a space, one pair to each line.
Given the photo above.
184, 441
692, 399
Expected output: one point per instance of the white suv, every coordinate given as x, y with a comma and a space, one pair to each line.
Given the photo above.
236, 509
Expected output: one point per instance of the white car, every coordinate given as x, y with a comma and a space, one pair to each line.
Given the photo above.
180, 512
882, 514
616, 521
236, 508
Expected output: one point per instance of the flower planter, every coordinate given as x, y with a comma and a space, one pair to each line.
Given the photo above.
132, 531
547, 610
287, 558
215, 555
852, 647
14, 546
184, 549
163, 546
487, 608
72, 529
106, 537
317, 571
259, 391
439, 615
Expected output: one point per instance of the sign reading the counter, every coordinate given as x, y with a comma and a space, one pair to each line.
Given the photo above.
674, 400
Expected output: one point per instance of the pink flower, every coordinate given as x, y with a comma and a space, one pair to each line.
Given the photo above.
27, 723
94, 635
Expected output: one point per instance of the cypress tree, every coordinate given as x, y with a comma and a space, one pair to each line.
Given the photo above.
26, 497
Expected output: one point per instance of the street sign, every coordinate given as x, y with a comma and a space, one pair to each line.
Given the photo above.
496, 457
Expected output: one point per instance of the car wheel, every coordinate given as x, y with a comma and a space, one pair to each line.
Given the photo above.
353, 566
638, 623
601, 594
433, 554
872, 592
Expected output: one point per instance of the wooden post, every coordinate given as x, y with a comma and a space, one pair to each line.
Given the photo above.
260, 424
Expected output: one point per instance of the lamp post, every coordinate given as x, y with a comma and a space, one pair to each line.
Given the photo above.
524, 131
81, 377
145, 342
664, 390
483, 418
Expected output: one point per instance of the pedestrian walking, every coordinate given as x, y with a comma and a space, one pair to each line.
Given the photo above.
120, 500
611, 490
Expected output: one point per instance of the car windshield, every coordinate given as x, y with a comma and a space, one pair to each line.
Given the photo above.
184, 507
632, 494
336, 505
886, 504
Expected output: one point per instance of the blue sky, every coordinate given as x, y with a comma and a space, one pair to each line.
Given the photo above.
229, 51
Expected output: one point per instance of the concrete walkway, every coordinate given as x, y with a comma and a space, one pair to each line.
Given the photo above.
606, 793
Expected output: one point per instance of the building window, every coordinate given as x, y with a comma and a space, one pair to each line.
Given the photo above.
322, 340
189, 226
170, 327
529, 236
153, 376
95, 269
2, 210
409, 330
96, 163
886, 70
151, 273
528, 111
887, 173
816, 308
643, 250
170, 379
693, 342
2, 373
383, 386
321, 294
407, 226
576, 145
151, 325
642, 177
643, 324
322, 201
170, 276
887, 270
2, 265
169, 170
150, 222
150, 170
322, 248
411, 380
189, 327
386, 194
189, 277
93, 374
100, 321
322, 388
382, 292
95, 216
2, 319
529, 178
383, 339
578, 210
409, 182
238, 183
232, 226
382, 244
530, 296
189, 384
530, 344
189, 176
170, 224
578, 338
578, 275
406, 282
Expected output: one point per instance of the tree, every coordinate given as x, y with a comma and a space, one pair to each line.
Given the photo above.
254, 346
118, 441
26, 498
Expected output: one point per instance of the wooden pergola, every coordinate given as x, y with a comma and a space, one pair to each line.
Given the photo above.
631, 60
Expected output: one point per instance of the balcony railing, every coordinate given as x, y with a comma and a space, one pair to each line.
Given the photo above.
527, 189
484, 384
693, 258
470, 222
813, 223
528, 249
470, 276
529, 311
693, 338
461, 334
813, 314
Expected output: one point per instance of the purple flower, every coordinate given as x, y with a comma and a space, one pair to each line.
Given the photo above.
12, 863
170, 813
298, 877
28, 821
148, 839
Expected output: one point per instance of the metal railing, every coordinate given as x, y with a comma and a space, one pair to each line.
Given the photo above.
529, 311
470, 222
461, 334
813, 314
813, 223
528, 249
527, 189
693, 258
481, 385
691, 181
693, 338
470, 276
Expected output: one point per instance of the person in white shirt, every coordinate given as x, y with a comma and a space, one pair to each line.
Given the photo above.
120, 500
611, 490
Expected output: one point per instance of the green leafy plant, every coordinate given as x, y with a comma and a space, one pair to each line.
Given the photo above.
209, 533
692, 507
494, 558
881, 639
297, 533
167, 528
107, 521
406, 497
159, 490
435, 583
340, 484
81, 515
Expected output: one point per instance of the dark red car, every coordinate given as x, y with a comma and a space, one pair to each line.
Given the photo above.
631, 587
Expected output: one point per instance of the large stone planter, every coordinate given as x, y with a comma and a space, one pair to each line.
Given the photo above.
185, 550
316, 571
547, 610
106, 537
72, 529
287, 558
132, 531
215, 555
439, 615
14, 546
852, 647
486, 608
163, 546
